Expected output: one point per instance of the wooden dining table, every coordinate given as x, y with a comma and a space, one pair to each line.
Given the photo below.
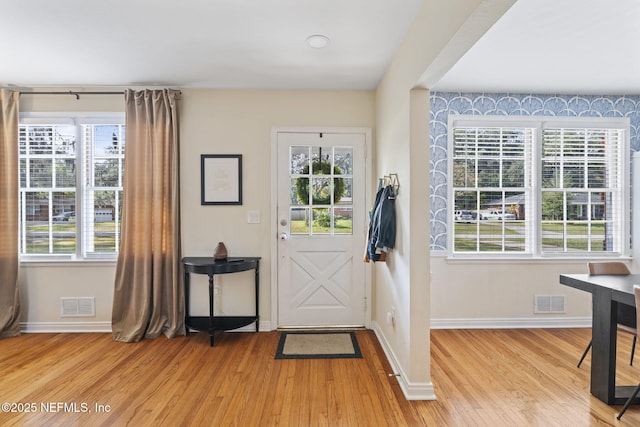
613, 302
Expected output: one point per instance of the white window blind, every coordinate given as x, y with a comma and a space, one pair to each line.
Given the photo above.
102, 181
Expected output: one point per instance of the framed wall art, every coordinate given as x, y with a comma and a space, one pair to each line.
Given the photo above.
221, 179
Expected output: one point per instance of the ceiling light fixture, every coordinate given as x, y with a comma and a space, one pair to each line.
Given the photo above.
318, 41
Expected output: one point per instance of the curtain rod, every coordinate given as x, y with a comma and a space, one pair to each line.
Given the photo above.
76, 94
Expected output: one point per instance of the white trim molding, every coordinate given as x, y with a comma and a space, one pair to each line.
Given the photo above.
104, 327
411, 390
65, 327
263, 326
511, 323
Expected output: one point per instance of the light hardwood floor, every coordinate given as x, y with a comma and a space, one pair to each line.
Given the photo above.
524, 377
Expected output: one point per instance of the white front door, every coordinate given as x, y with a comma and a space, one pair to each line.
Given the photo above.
321, 227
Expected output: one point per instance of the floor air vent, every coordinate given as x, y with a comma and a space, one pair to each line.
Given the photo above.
549, 304
78, 307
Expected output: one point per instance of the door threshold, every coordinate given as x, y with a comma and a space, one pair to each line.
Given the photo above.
320, 328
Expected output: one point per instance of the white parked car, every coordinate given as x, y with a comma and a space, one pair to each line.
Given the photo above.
63, 216
498, 215
464, 215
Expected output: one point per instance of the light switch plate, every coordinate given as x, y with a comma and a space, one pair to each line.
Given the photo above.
253, 217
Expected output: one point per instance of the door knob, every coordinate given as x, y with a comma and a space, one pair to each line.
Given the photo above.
283, 236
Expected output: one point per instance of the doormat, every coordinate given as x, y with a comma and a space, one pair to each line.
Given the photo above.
318, 345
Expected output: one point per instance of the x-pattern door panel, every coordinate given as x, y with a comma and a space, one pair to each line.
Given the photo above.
320, 279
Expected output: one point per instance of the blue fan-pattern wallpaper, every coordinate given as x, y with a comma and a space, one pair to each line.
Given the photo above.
506, 104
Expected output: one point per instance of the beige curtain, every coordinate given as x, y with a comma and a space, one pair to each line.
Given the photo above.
148, 295
9, 298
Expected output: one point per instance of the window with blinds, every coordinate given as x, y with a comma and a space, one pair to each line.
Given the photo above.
538, 186
582, 189
71, 171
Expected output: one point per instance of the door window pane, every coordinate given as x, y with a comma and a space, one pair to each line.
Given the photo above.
343, 217
343, 160
322, 221
295, 190
299, 220
298, 159
321, 178
347, 195
321, 190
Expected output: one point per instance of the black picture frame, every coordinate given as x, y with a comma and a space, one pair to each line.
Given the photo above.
221, 179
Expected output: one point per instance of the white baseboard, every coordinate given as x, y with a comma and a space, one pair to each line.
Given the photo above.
411, 390
57, 327
104, 326
263, 326
512, 323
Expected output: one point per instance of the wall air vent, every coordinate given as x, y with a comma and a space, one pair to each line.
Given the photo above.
78, 307
549, 304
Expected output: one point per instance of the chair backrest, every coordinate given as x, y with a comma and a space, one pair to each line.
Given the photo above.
636, 293
615, 268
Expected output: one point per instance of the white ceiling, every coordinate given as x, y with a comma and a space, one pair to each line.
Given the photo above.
540, 46
555, 47
252, 44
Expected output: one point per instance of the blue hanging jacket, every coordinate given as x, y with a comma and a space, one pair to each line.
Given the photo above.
382, 227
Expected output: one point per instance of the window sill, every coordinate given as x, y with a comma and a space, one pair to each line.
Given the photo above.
483, 259
529, 260
99, 262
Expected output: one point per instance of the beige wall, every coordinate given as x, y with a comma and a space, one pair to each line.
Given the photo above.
440, 34
43, 284
212, 122
490, 293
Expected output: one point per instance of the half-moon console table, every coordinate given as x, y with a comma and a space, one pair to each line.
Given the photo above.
211, 267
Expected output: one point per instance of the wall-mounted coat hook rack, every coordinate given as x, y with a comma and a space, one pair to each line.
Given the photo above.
392, 180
